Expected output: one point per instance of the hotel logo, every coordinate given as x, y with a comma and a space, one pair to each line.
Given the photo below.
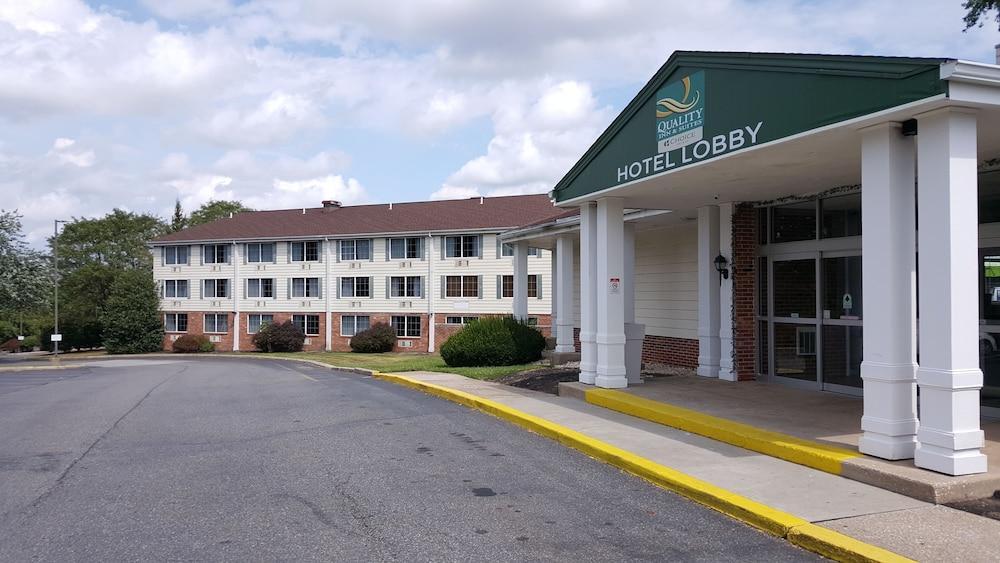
680, 113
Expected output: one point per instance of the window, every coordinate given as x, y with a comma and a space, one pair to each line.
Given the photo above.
805, 340
307, 251
355, 287
358, 249
305, 287
216, 253
218, 288
460, 320
507, 286
464, 246
308, 324
255, 321
840, 216
461, 286
508, 250
175, 322
260, 287
404, 286
353, 324
175, 255
794, 221
405, 248
216, 322
175, 288
260, 252
406, 327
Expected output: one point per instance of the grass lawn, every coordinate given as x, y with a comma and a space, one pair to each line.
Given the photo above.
397, 362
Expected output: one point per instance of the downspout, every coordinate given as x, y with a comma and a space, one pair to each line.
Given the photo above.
430, 294
328, 332
236, 297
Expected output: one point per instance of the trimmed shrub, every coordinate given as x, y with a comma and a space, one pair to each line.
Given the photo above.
130, 319
283, 337
189, 343
379, 338
493, 341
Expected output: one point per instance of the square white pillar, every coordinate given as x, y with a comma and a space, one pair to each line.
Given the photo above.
888, 243
727, 370
521, 280
588, 296
610, 294
634, 333
708, 291
950, 437
563, 296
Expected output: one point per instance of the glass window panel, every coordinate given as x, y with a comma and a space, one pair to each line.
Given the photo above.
842, 287
532, 285
793, 356
842, 355
763, 358
362, 322
795, 288
989, 197
762, 225
470, 286
507, 289
298, 252
453, 247
361, 287
413, 247
841, 216
762, 285
506, 250
397, 248
298, 287
795, 221
453, 286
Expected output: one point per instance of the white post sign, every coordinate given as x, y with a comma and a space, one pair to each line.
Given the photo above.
56, 338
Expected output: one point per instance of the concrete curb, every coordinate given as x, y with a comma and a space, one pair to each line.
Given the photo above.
775, 444
798, 531
37, 368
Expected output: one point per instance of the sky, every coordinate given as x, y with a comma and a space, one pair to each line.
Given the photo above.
285, 103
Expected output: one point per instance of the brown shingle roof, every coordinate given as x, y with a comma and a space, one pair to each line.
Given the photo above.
499, 213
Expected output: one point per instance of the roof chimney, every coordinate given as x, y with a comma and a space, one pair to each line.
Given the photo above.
480, 200
331, 203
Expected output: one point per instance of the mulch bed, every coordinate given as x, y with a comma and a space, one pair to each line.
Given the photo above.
544, 380
988, 507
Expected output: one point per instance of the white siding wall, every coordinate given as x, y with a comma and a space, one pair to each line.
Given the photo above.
489, 266
666, 284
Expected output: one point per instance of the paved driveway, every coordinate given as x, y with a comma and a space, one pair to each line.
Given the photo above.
220, 459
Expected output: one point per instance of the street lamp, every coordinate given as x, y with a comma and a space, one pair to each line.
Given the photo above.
56, 336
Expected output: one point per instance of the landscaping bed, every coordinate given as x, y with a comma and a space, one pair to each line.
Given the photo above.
546, 380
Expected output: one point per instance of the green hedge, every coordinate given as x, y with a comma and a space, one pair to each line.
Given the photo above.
493, 341
379, 338
284, 337
193, 343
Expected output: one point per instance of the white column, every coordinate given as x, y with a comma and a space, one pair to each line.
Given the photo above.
708, 291
634, 333
888, 284
610, 295
564, 294
950, 437
588, 283
521, 280
327, 290
727, 370
237, 260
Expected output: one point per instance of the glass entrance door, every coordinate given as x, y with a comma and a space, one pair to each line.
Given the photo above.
989, 328
811, 325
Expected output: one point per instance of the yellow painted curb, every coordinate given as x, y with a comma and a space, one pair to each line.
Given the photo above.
790, 448
797, 530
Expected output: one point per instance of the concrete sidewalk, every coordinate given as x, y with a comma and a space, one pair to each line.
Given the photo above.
900, 524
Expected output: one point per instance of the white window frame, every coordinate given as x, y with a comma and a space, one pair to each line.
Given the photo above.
215, 288
304, 245
305, 323
462, 319
167, 285
354, 324
216, 317
503, 286
173, 261
260, 252
406, 326
176, 317
349, 250
303, 291
448, 247
354, 287
260, 321
260, 288
407, 255
462, 294
214, 253
408, 290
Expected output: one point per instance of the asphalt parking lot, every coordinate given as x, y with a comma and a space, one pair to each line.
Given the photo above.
221, 459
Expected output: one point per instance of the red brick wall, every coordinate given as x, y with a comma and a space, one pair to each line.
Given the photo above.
744, 273
196, 325
682, 352
443, 330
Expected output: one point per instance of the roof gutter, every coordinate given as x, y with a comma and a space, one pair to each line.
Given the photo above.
569, 225
971, 72
420, 233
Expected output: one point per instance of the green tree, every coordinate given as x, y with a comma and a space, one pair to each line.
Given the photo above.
179, 221
25, 274
977, 12
130, 317
215, 210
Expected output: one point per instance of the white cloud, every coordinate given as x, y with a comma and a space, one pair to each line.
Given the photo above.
188, 9
309, 193
274, 119
62, 153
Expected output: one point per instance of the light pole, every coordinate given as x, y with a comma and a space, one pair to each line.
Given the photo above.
55, 263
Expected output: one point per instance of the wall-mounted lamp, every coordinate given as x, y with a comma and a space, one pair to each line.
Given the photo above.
721, 266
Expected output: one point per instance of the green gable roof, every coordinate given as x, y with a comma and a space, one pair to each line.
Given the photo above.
705, 104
